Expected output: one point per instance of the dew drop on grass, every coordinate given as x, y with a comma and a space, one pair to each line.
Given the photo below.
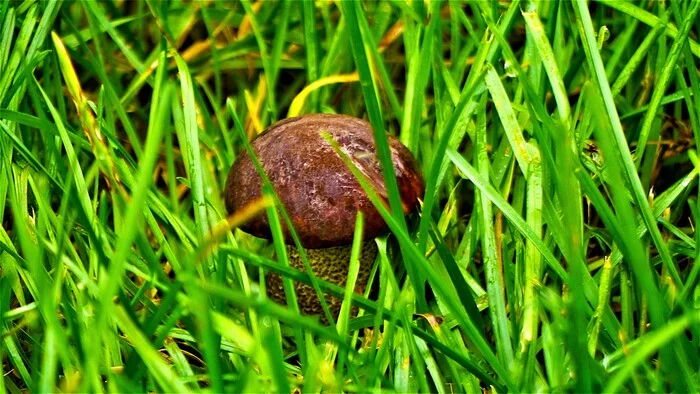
510, 70
267, 321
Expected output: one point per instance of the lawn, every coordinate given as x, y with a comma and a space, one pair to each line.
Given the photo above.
554, 249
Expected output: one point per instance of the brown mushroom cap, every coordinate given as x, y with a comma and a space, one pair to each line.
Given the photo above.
318, 191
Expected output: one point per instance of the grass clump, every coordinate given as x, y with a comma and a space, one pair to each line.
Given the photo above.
555, 249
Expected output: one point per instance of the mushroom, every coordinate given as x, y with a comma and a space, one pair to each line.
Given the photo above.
321, 196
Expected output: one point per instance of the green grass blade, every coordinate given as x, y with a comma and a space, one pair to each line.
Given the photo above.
493, 265
593, 56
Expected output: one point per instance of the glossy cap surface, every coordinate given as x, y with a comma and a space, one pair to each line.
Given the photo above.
318, 191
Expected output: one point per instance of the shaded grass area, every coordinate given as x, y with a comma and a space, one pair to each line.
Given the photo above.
555, 248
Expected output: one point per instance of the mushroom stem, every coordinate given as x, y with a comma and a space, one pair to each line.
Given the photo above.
330, 264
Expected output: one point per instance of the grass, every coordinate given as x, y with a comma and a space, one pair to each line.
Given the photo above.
555, 248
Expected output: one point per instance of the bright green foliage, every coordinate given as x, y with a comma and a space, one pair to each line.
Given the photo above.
555, 248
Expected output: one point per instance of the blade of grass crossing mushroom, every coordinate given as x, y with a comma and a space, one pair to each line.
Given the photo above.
283, 259
346, 306
302, 277
223, 228
364, 303
353, 270
351, 10
411, 253
280, 248
271, 308
266, 181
